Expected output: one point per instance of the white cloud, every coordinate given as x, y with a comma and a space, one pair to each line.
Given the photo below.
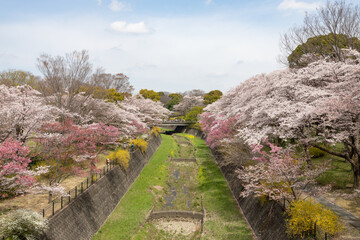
293, 4
200, 52
99, 2
208, 2
118, 6
122, 26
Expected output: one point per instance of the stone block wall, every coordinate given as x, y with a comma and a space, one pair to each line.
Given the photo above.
84, 216
266, 219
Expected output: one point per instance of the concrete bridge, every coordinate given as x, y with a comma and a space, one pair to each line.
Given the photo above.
174, 126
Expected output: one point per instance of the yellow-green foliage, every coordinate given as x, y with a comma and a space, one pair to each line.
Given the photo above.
303, 214
122, 158
140, 144
316, 153
201, 177
156, 131
189, 136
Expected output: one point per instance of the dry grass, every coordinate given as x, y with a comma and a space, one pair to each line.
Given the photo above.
349, 232
36, 202
352, 204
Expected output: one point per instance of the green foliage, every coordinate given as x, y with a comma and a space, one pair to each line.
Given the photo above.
175, 99
139, 143
212, 96
339, 175
322, 45
316, 153
201, 178
110, 95
150, 94
122, 157
303, 214
113, 96
193, 114
17, 77
22, 224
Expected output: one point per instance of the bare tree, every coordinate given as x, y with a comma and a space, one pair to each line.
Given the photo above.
64, 75
337, 23
119, 82
194, 93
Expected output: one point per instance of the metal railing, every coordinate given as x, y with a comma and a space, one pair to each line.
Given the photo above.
60, 202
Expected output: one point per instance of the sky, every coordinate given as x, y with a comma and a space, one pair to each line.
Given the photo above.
165, 45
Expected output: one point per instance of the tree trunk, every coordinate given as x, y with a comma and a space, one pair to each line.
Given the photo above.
356, 177
356, 173
308, 158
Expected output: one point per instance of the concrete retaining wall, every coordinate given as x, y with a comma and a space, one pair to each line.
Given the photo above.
195, 132
266, 219
84, 216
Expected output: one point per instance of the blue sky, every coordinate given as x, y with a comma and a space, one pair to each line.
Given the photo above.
165, 45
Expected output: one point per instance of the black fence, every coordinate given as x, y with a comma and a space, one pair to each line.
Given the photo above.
59, 203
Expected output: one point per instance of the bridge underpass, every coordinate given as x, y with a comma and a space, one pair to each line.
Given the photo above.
174, 127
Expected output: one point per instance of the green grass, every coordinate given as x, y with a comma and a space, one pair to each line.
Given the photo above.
339, 175
186, 150
166, 129
223, 219
130, 213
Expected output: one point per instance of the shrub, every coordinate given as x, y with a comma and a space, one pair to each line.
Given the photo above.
303, 214
22, 224
156, 131
140, 144
122, 158
316, 153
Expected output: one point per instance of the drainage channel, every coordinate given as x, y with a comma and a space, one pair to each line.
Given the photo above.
179, 209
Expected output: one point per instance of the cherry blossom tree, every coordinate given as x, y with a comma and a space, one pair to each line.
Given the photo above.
276, 174
22, 111
218, 130
150, 112
312, 105
15, 176
187, 103
88, 110
70, 149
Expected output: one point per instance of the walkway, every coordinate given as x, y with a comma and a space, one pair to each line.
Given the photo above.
341, 212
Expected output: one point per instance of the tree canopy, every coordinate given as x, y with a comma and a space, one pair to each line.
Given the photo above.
212, 96
175, 99
325, 32
320, 47
150, 94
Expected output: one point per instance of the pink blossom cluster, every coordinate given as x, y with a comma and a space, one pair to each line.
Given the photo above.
14, 171
219, 130
276, 174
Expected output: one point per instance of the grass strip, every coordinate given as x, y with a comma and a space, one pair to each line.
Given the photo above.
223, 218
130, 213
